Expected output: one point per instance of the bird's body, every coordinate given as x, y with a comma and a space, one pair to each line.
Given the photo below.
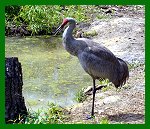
98, 61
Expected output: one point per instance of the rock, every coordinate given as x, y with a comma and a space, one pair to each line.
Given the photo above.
108, 11
100, 111
111, 99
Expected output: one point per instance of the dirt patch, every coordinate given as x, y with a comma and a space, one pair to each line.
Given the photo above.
124, 36
126, 105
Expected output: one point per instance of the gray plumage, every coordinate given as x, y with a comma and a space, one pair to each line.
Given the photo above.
98, 61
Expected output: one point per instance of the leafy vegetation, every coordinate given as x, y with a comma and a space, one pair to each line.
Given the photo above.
107, 83
11, 11
43, 18
104, 120
135, 64
54, 115
80, 96
90, 33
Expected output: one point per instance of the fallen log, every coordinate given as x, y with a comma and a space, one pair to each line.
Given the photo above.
88, 91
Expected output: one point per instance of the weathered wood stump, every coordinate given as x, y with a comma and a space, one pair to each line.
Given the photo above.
15, 109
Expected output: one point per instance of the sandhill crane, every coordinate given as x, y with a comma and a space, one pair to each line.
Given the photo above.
98, 61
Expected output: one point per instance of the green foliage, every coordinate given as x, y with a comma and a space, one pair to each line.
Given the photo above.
102, 16
104, 82
54, 115
90, 33
12, 11
104, 120
19, 120
40, 18
80, 96
43, 17
134, 65
107, 83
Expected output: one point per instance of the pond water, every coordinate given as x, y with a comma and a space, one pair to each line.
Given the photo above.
50, 74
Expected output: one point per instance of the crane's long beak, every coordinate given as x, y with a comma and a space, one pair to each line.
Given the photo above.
58, 29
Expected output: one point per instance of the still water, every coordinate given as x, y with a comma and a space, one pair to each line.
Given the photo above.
50, 74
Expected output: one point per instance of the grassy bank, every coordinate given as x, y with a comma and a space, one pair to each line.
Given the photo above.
38, 20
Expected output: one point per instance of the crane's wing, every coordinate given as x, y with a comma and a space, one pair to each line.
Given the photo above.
100, 51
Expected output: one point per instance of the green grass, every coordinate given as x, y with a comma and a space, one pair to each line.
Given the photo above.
107, 83
80, 96
42, 18
104, 120
135, 65
53, 115
90, 33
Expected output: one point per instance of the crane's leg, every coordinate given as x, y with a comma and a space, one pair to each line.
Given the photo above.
94, 91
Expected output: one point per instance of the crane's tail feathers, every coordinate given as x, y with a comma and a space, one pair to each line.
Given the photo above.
123, 73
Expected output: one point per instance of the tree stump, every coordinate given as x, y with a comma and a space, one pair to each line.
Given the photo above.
15, 109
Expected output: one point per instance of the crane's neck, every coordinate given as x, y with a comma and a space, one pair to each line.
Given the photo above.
69, 42
68, 31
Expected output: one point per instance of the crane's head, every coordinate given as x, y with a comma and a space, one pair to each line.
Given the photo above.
65, 21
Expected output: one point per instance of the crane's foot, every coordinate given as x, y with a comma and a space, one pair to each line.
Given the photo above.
88, 117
